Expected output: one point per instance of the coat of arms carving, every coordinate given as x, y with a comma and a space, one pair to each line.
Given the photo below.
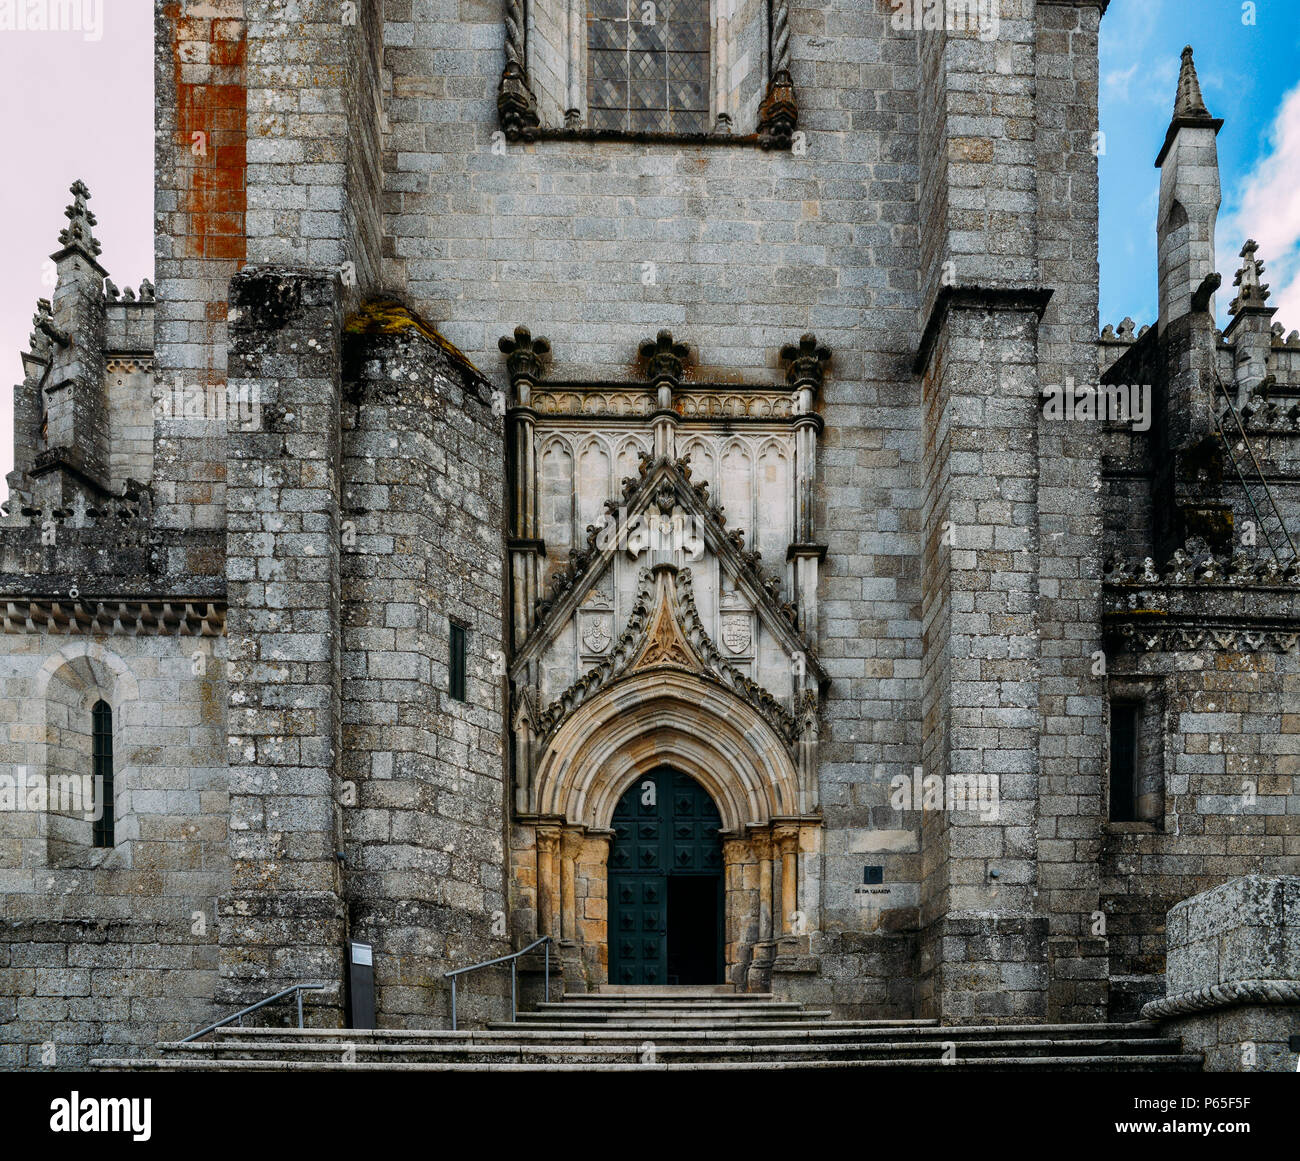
736, 634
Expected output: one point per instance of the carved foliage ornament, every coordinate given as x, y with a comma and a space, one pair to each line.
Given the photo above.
664, 629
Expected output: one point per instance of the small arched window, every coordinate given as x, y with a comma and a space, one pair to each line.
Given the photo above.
648, 65
101, 735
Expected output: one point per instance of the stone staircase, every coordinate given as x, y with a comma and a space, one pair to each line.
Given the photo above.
700, 1028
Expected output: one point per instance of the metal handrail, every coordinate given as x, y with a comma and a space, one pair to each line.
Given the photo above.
512, 957
298, 988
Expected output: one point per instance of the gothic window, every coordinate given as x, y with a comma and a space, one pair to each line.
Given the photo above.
101, 740
648, 65
719, 68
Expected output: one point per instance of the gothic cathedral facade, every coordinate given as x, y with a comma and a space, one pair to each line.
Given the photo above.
638, 474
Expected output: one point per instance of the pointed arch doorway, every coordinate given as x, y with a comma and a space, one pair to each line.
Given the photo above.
666, 896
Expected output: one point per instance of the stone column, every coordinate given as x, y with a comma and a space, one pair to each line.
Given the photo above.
548, 844
766, 902
526, 359
570, 846
787, 842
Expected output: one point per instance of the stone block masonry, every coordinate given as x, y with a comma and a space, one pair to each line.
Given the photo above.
283, 920
423, 551
200, 203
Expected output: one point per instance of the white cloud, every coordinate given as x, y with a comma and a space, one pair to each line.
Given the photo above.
1266, 207
1118, 81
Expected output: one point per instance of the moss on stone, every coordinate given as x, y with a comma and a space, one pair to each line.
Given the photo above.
388, 316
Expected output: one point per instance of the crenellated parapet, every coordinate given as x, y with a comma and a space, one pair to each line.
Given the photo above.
1200, 600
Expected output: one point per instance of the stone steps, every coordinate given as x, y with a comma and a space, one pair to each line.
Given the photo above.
630, 1053
1183, 1063
660, 1030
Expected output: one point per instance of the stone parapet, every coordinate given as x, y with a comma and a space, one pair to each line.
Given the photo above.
1233, 974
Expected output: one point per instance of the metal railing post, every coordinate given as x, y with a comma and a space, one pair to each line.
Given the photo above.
238, 1017
513, 959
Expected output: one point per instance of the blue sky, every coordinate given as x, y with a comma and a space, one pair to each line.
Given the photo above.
1250, 76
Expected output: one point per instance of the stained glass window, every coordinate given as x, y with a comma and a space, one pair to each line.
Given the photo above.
648, 65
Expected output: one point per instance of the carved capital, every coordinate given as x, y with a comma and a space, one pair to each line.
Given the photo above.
785, 837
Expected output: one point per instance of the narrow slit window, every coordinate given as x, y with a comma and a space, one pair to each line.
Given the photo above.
1124, 717
101, 735
456, 686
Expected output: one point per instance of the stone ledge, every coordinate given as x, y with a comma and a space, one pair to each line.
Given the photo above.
1231, 994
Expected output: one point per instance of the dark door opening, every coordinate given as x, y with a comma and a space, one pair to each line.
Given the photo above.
665, 884
694, 929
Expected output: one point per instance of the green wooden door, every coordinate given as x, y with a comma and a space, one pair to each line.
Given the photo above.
665, 826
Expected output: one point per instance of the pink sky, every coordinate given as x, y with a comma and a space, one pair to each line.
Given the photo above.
74, 108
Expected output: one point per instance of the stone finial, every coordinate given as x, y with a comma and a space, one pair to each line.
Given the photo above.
526, 357
146, 291
111, 291
79, 234
1125, 332
40, 337
807, 362
1250, 290
43, 321
1189, 105
665, 359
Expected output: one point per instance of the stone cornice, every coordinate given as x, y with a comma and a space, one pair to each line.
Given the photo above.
1001, 298
173, 617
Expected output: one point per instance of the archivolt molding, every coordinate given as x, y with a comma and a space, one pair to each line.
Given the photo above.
124, 687
667, 716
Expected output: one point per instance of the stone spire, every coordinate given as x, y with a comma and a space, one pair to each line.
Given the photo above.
1250, 330
74, 457
1189, 104
1189, 203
